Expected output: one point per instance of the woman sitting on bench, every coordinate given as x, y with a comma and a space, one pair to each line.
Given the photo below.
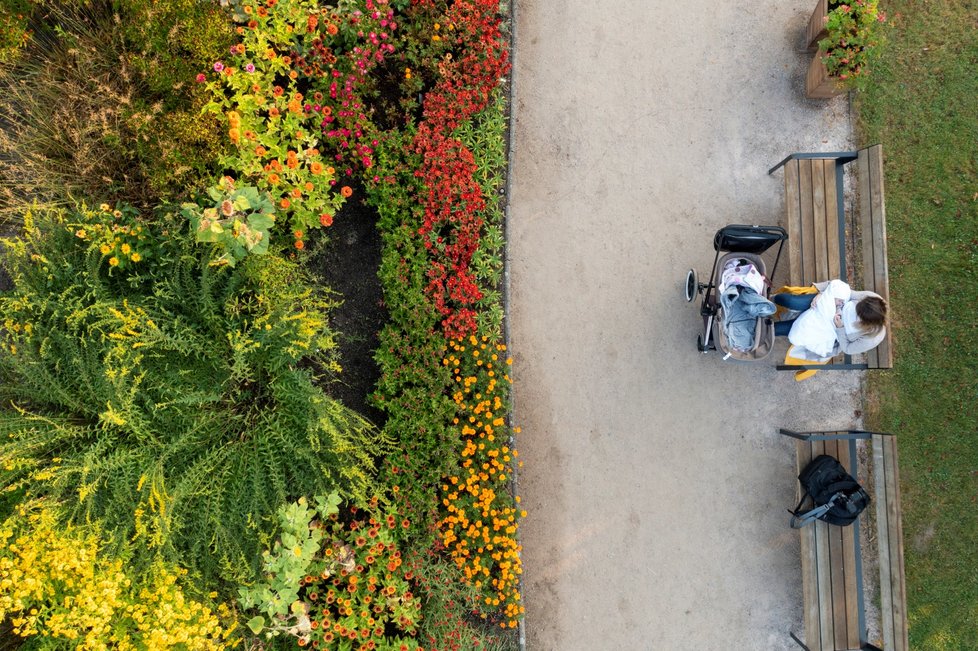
836, 319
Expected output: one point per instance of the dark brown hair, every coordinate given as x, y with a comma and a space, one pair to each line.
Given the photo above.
872, 313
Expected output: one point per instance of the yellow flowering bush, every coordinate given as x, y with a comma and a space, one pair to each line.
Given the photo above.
481, 513
117, 233
57, 584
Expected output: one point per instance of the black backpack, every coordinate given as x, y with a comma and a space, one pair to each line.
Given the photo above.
838, 498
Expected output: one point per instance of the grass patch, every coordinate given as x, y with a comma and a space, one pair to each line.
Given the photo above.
921, 106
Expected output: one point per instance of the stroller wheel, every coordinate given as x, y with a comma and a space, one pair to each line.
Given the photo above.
691, 287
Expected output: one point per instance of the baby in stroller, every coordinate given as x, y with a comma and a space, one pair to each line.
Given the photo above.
736, 311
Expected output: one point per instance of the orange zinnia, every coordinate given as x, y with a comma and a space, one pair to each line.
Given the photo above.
327, 220
346, 191
285, 203
296, 192
299, 244
316, 168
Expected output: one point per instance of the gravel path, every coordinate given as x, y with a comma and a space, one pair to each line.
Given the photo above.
654, 477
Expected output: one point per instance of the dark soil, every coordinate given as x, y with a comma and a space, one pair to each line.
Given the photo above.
347, 263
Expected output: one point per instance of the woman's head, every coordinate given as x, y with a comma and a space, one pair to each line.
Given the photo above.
872, 313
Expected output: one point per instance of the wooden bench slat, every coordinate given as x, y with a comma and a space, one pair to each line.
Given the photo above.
824, 565
807, 212
832, 200
892, 576
852, 633
819, 246
809, 583
792, 208
840, 594
880, 275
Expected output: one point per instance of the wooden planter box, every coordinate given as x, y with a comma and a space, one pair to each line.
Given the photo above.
816, 25
818, 83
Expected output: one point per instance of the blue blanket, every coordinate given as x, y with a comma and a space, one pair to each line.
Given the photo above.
742, 306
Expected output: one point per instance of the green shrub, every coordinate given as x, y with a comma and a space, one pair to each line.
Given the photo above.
171, 399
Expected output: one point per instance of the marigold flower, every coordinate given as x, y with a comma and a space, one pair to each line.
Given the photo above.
346, 191
285, 203
273, 178
260, 151
296, 192
327, 220
299, 244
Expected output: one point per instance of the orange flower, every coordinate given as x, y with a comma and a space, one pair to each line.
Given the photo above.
255, 88
296, 192
252, 24
309, 186
260, 151
285, 203
312, 22
331, 29
234, 134
273, 178
346, 191
298, 234
299, 244
316, 168
262, 11
293, 75
326, 220
277, 91
273, 112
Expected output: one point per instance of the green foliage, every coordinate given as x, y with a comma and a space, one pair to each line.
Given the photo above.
853, 40
413, 388
171, 400
326, 580
14, 16
920, 106
238, 222
484, 136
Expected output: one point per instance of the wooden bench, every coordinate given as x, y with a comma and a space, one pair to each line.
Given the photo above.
831, 557
817, 231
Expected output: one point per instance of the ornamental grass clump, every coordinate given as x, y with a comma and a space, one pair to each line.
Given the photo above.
853, 40
98, 106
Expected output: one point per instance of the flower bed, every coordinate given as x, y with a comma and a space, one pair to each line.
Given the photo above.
374, 538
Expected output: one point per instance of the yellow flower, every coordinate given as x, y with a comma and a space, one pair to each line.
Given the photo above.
80, 233
113, 261
105, 248
136, 257
104, 207
126, 248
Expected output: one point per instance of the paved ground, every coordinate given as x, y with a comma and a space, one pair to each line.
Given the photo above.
654, 476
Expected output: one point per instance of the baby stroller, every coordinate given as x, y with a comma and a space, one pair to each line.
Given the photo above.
737, 313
